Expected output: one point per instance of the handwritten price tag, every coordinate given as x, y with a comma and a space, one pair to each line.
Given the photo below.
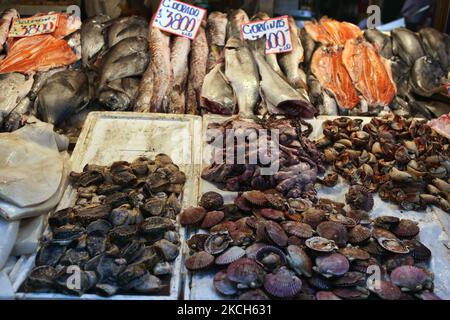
33, 26
276, 30
179, 18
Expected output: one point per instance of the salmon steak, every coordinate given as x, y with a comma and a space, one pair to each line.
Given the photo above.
331, 32
328, 68
369, 72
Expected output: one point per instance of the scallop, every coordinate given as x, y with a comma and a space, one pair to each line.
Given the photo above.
283, 284
231, 255
332, 265
199, 261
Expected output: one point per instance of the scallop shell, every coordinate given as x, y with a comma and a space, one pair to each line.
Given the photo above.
298, 229
247, 273
333, 231
321, 244
197, 242
192, 216
211, 201
357, 293
331, 265
350, 279
409, 278
321, 283
386, 290
256, 198
359, 198
243, 204
253, 250
270, 214
326, 296
276, 234
346, 221
383, 233
393, 245
359, 234
271, 257
406, 229
276, 201
230, 255
223, 285
283, 284
254, 295
199, 261
314, 217
217, 243
352, 253
228, 226
419, 251
212, 219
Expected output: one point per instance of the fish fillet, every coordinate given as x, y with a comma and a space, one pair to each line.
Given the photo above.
331, 32
328, 68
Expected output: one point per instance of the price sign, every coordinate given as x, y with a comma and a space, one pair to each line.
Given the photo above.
33, 26
276, 30
179, 18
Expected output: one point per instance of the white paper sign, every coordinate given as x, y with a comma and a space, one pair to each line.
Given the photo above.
33, 26
276, 30
179, 18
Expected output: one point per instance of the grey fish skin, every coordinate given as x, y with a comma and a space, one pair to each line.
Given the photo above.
290, 62
127, 27
426, 77
319, 97
216, 27
119, 95
400, 75
436, 46
128, 58
64, 94
235, 20
309, 46
93, 37
145, 91
40, 79
217, 96
5, 23
197, 72
381, 41
278, 94
242, 73
271, 58
14, 88
407, 45
179, 59
15, 119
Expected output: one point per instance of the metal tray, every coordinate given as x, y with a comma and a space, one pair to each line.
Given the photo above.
434, 224
111, 136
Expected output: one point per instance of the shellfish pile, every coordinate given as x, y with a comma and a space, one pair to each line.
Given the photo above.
298, 159
261, 247
120, 235
403, 159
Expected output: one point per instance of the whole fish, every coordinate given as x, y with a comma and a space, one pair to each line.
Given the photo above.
241, 71
161, 69
197, 72
18, 115
271, 58
128, 58
40, 79
145, 91
179, 60
427, 77
407, 45
217, 96
93, 37
290, 61
309, 46
14, 88
235, 20
127, 27
119, 95
64, 94
278, 94
5, 23
382, 42
216, 33
436, 45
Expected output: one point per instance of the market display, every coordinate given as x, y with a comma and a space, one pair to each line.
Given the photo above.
264, 246
306, 174
121, 232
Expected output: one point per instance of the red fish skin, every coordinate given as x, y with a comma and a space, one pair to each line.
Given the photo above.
332, 32
368, 72
327, 67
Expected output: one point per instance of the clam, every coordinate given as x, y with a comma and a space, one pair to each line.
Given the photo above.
155, 206
410, 278
231, 255
223, 285
42, 278
393, 245
199, 261
155, 227
61, 218
299, 261
332, 265
333, 231
321, 244
109, 267
49, 255
246, 273
162, 269
123, 234
271, 258
282, 284
96, 244
211, 201
100, 226
382, 233
86, 281
168, 250
212, 219
67, 234
192, 216
147, 284
217, 243
132, 251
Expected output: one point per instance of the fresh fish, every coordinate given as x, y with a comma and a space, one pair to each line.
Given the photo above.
64, 94
179, 60
119, 95
319, 97
369, 73
145, 91
331, 32
93, 37
328, 68
128, 58
242, 73
437, 46
235, 20
9, 231
161, 69
277, 93
40, 79
400, 74
271, 58
217, 95
382, 42
14, 88
5, 23
216, 33
290, 62
427, 77
197, 72
309, 46
127, 27
17, 117
407, 45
